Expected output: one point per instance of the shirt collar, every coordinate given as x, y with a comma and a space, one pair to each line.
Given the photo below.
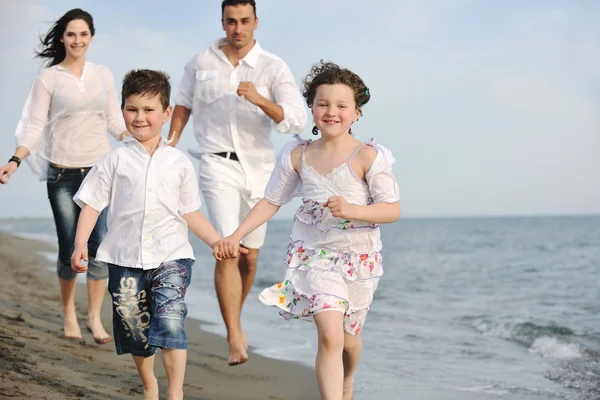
60, 67
130, 140
251, 58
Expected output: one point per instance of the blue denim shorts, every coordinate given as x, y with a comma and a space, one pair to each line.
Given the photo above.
62, 184
149, 307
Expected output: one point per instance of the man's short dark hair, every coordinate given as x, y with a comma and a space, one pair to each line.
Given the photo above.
237, 3
146, 82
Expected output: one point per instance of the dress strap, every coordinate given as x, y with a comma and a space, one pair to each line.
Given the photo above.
369, 143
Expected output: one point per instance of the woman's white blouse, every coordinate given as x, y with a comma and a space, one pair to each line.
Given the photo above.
66, 118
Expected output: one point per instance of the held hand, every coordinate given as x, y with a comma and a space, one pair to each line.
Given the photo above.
339, 207
6, 171
228, 248
80, 253
248, 90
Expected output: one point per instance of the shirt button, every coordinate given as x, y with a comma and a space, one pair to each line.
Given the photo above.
150, 190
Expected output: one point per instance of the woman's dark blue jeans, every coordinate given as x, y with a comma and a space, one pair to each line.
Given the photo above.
62, 184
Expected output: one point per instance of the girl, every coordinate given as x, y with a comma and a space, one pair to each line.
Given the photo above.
71, 106
334, 261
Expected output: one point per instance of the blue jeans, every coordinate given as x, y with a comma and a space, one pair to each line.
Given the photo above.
149, 307
62, 185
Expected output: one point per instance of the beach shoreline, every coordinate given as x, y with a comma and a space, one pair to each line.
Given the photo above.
37, 362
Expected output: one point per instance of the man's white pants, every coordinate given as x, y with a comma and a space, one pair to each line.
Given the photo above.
227, 197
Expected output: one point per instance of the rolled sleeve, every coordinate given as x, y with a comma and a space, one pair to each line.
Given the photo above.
95, 190
185, 94
115, 121
35, 115
288, 97
189, 197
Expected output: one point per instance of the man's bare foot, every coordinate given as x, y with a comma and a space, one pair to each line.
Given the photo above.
71, 327
151, 392
237, 353
348, 388
94, 326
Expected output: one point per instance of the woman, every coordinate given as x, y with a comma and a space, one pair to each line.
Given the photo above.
71, 106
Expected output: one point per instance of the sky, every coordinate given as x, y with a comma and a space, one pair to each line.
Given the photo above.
490, 108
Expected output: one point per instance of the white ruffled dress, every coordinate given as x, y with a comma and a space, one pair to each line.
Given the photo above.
331, 262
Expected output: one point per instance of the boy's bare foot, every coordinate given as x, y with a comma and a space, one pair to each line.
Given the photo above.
348, 388
151, 392
237, 353
94, 326
175, 396
71, 327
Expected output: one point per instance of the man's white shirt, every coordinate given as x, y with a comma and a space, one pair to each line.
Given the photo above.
226, 122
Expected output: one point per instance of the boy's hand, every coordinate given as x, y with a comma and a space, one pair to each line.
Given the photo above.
80, 253
228, 248
339, 207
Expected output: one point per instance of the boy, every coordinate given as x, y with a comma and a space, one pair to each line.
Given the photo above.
152, 195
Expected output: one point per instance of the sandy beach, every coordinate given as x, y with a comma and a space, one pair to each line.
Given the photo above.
37, 363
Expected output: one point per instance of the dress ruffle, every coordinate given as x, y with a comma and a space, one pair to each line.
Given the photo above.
313, 213
294, 304
352, 266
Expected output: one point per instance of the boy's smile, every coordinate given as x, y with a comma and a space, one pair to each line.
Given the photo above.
144, 119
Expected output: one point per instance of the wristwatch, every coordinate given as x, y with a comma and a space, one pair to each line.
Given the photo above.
15, 159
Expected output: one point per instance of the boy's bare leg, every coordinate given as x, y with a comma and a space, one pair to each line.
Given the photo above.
174, 361
145, 369
67, 298
247, 267
351, 355
228, 283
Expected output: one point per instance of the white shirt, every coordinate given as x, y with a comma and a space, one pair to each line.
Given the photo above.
147, 197
66, 118
224, 121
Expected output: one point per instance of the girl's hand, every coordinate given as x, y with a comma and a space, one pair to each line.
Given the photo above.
339, 207
80, 253
228, 248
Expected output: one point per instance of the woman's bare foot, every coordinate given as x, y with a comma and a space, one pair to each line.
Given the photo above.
71, 327
94, 326
348, 388
151, 392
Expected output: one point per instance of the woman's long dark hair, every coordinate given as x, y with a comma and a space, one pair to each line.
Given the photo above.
52, 48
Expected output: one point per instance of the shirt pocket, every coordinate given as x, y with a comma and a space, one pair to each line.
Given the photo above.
171, 183
264, 92
206, 86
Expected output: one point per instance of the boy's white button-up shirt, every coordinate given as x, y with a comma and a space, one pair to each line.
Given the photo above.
147, 197
226, 122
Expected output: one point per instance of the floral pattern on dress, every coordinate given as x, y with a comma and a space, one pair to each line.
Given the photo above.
294, 305
313, 213
351, 265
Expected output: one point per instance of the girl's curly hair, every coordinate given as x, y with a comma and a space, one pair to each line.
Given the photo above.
329, 73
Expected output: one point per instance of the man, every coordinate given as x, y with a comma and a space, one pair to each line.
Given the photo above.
236, 92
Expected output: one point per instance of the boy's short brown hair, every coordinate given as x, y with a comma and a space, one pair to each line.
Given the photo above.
146, 82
